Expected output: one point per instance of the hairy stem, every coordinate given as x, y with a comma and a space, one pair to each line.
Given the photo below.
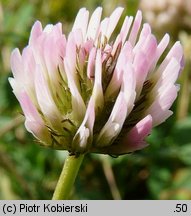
67, 177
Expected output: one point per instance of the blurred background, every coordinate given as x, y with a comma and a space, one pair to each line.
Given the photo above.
161, 171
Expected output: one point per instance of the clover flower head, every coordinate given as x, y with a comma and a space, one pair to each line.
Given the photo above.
90, 93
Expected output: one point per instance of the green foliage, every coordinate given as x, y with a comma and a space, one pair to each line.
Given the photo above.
28, 171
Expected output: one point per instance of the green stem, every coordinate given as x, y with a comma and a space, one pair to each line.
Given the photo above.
67, 177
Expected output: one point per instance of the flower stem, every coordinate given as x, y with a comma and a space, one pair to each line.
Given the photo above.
67, 177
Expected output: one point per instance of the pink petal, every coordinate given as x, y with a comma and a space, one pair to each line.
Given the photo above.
16, 65
24, 73
176, 52
91, 63
29, 64
119, 111
167, 95
34, 123
78, 37
145, 32
128, 87
61, 44
97, 89
162, 45
81, 21
149, 48
116, 45
38, 50
70, 61
48, 28
44, 96
88, 46
164, 92
125, 28
115, 122
39, 131
28, 108
77, 101
103, 28
169, 75
122, 107
23, 70
71, 52
135, 28
51, 58
90, 114
143, 60
94, 24
35, 32
116, 80
15, 86
57, 30
134, 140
113, 20
141, 70
160, 107
84, 134
160, 49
